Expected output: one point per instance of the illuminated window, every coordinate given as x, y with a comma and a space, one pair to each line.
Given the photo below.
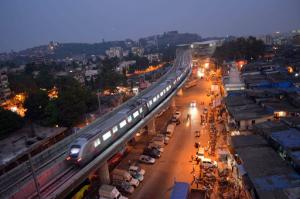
141, 110
115, 129
97, 142
154, 99
123, 123
161, 93
106, 135
135, 114
157, 96
129, 118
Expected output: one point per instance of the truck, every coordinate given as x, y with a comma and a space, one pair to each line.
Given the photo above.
180, 190
110, 192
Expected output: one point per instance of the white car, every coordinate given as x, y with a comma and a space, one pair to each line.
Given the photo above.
177, 115
146, 159
193, 104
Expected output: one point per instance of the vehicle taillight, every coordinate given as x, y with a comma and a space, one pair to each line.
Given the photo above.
68, 158
79, 159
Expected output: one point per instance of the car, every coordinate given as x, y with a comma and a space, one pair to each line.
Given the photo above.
146, 159
137, 176
156, 146
193, 104
123, 186
151, 152
160, 139
137, 169
177, 115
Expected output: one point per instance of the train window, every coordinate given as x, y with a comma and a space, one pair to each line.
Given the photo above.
129, 118
150, 102
141, 110
106, 135
154, 99
115, 129
123, 123
161, 93
97, 142
157, 96
135, 114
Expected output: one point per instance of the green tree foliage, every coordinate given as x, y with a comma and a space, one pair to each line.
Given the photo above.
22, 83
241, 48
108, 77
71, 106
44, 80
72, 103
36, 104
9, 122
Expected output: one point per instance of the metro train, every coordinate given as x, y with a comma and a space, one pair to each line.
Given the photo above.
95, 139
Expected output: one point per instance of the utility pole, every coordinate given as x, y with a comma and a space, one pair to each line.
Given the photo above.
99, 102
34, 176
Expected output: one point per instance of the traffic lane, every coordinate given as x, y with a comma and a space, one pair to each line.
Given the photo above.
173, 165
175, 161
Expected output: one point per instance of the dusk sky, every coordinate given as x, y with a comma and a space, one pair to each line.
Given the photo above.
28, 23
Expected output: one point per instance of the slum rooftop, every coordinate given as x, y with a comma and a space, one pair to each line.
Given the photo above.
269, 174
243, 108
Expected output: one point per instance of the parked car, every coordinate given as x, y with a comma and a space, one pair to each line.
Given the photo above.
123, 175
160, 139
123, 186
137, 176
146, 159
137, 169
177, 115
156, 146
166, 138
151, 152
110, 192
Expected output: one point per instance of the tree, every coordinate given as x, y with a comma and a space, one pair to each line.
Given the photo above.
44, 80
71, 106
250, 49
72, 103
36, 104
9, 122
22, 83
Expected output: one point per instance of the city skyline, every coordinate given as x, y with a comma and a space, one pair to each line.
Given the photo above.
34, 23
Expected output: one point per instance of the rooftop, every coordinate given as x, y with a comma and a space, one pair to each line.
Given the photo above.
288, 139
241, 141
268, 127
269, 174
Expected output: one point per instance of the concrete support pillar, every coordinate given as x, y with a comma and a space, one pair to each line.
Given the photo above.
173, 104
151, 127
180, 92
103, 173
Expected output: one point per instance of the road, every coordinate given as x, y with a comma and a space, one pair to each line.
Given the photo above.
175, 163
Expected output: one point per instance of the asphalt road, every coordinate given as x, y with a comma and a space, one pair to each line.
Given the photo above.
175, 163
